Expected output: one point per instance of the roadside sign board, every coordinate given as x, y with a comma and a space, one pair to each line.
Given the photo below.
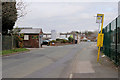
41, 36
100, 40
99, 18
40, 40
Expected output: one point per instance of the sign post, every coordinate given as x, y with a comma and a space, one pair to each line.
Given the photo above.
100, 18
40, 40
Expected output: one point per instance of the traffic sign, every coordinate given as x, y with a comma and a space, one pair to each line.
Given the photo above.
41, 36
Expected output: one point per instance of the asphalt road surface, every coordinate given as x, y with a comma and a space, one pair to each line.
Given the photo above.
67, 61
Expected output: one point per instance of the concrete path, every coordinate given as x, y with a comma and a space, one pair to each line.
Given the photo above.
85, 65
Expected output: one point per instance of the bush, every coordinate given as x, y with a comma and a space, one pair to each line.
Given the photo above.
62, 40
70, 39
58, 39
65, 41
53, 41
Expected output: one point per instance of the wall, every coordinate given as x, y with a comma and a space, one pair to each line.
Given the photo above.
33, 41
7, 42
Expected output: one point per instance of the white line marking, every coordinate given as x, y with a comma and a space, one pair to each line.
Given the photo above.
71, 75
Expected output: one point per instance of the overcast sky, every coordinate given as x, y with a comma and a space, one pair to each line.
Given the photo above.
67, 16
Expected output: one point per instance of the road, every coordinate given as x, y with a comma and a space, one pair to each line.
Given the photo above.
67, 61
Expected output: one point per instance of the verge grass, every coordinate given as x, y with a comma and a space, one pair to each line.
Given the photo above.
12, 51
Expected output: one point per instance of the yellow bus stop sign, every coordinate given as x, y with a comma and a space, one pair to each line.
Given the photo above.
100, 40
99, 18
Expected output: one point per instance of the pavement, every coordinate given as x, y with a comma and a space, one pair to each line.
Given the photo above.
86, 66
69, 61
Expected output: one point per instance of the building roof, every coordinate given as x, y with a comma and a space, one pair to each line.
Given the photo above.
31, 31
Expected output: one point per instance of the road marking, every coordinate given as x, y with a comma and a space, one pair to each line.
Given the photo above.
71, 75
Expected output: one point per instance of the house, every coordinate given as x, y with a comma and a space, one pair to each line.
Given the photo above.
32, 37
92, 37
83, 37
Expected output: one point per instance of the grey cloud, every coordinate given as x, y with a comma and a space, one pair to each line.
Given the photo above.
66, 17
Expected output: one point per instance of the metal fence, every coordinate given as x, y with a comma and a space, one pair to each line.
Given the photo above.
8, 42
112, 40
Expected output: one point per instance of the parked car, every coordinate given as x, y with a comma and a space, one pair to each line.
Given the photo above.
46, 42
88, 40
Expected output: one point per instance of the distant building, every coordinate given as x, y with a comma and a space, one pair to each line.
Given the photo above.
83, 37
91, 37
53, 34
58, 35
118, 8
31, 37
25, 28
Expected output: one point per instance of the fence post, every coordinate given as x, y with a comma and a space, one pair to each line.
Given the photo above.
116, 56
12, 40
110, 40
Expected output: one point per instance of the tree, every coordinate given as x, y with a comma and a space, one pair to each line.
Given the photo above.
20, 6
70, 38
88, 33
11, 11
9, 16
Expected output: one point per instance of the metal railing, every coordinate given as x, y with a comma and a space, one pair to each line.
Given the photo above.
111, 46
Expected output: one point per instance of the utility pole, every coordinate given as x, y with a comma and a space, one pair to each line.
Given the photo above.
73, 37
40, 40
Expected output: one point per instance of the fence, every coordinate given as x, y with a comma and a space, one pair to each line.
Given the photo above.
8, 42
0, 43
112, 40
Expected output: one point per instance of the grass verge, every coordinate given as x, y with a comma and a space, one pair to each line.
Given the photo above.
12, 51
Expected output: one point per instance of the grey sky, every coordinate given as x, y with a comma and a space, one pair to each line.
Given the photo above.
67, 16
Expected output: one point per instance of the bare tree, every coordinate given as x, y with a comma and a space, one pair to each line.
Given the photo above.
21, 6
